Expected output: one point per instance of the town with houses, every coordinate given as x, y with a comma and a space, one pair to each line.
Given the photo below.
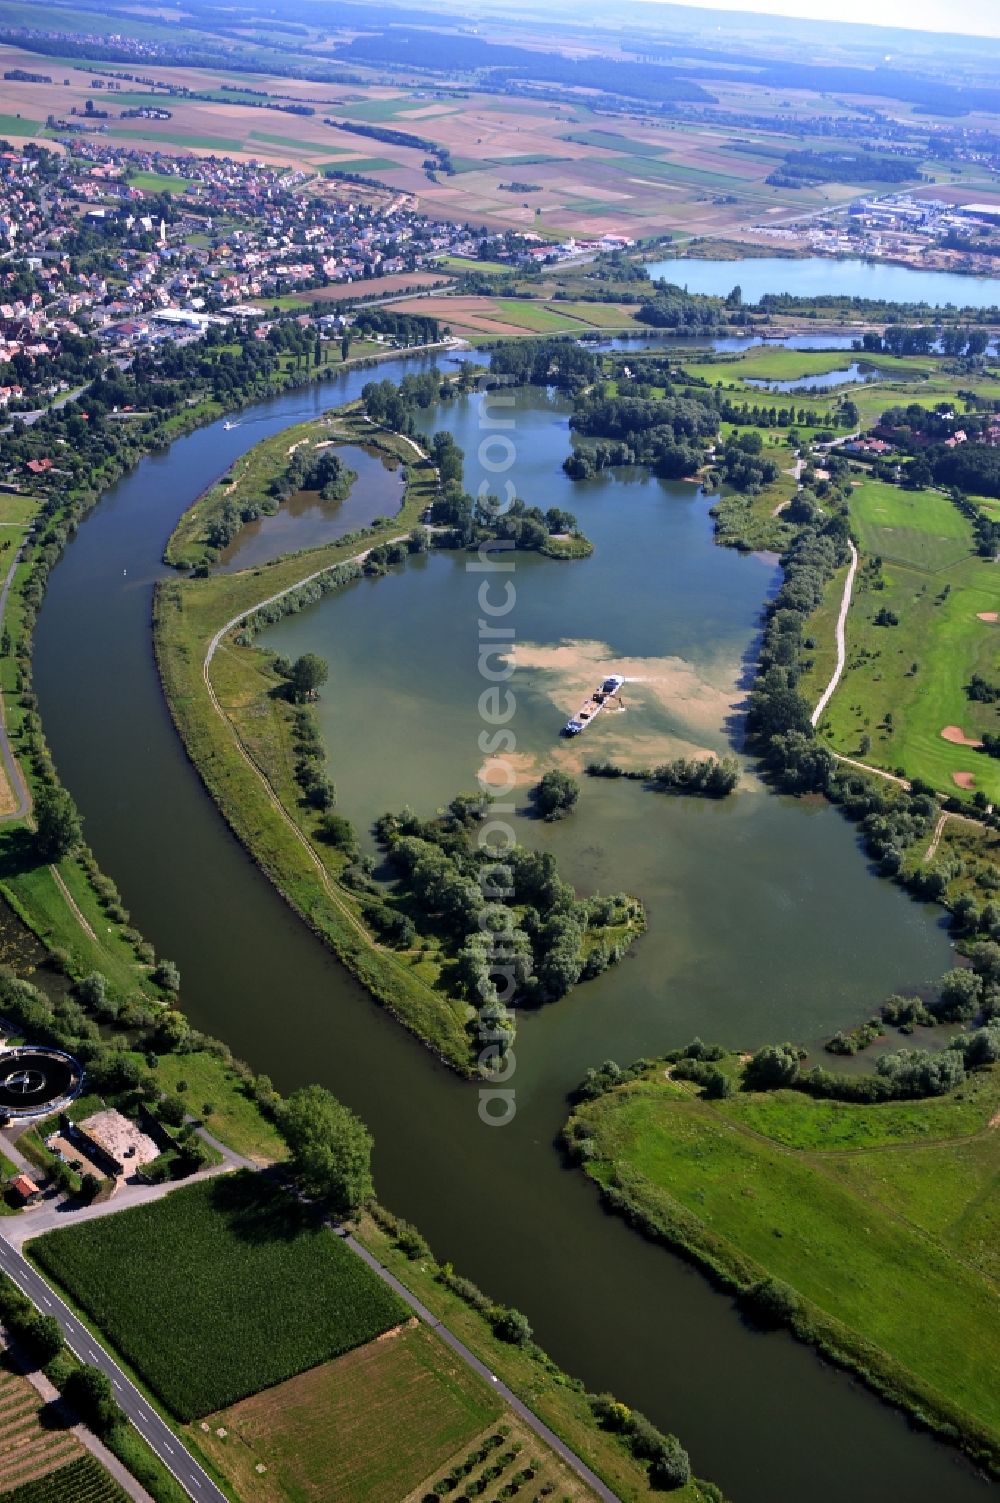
214, 239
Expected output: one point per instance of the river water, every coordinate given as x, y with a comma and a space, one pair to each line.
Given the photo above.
813, 276
763, 919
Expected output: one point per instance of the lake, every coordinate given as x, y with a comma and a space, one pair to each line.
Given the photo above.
813, 276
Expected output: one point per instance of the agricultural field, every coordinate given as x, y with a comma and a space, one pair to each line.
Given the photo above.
29, 1449
638, 177
479, 317
917, 631
374, 1424
79, 1481
800, 1190
204, 1315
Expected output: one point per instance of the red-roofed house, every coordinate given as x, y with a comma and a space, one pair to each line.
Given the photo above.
25, 1189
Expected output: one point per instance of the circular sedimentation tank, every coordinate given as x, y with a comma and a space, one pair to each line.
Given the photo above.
36, 1080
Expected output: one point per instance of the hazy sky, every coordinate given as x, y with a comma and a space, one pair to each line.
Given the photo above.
981, 17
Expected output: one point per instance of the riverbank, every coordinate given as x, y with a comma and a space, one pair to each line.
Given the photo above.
825, 1183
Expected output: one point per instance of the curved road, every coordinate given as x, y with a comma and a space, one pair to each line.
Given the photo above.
845, 605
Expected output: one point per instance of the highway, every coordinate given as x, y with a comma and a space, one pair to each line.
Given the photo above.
195, 1481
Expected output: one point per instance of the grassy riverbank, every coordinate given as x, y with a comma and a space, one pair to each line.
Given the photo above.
882, 1219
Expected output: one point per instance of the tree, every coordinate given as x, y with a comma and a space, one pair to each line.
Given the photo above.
308, 673
671, 1466
58, 826
773, 1302
90, 1393
172, 1111
43, 1335
331, 1149
959, 996
556, 794
772, 1067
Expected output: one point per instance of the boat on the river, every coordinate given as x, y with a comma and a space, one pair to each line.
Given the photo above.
610, 687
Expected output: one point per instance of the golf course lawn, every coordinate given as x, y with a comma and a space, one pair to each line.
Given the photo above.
774, 364
904, 684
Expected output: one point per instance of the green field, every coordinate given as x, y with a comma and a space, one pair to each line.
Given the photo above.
919, 528
890, 1241
464, 264
916, 671
128, 129
205, 1315
13, 125
371, 1425
160, 182
235, 1117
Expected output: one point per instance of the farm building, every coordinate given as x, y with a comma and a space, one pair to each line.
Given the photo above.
116, 1140
25, 1189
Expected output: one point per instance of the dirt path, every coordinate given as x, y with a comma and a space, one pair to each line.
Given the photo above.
936, 839
845, 606
15, 799
72, 904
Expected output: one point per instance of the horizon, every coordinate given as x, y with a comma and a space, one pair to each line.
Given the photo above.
978, 18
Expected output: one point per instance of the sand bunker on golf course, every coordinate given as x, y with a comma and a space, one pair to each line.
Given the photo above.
963, 779
957, 736
988, 615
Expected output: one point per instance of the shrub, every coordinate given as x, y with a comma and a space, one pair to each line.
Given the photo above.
510, 1325
772, 1302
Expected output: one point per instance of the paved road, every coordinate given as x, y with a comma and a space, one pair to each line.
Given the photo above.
49, 1216
471, 1360
195, 1481
18, 787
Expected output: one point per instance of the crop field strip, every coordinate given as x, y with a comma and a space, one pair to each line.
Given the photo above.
29, 1450
375, 1423
79, 1481
204, 1316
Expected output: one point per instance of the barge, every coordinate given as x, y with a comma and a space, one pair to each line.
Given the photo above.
610, 689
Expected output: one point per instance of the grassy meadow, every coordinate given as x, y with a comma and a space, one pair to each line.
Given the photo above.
882, 1218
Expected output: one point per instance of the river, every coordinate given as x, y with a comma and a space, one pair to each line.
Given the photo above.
759, 1412
813, 276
